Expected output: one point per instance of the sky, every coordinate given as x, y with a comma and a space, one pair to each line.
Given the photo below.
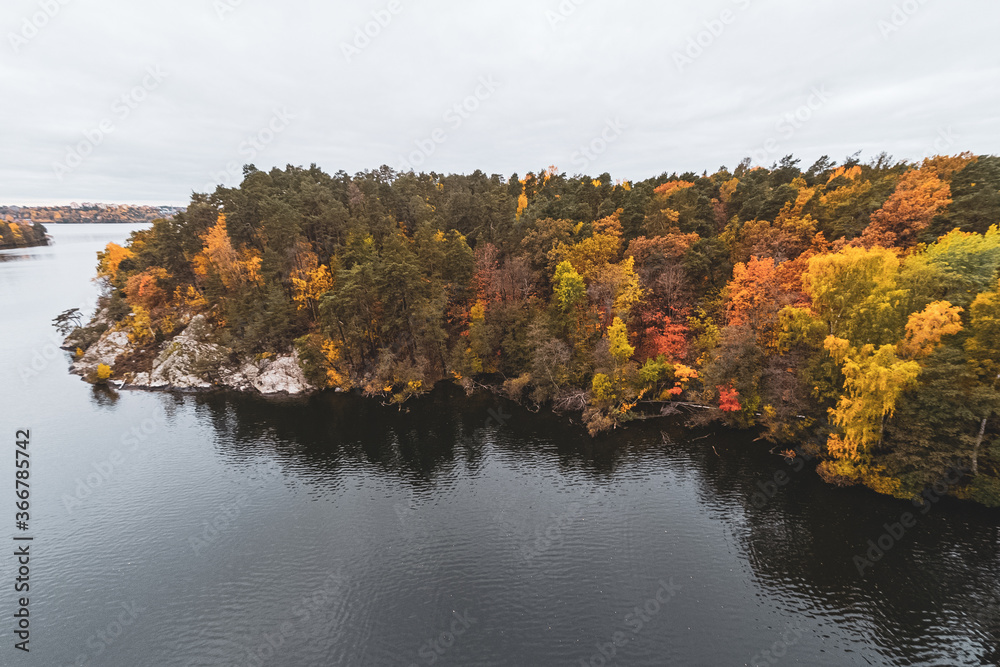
127, 102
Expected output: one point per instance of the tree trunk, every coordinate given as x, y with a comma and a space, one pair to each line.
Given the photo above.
975, 450
979, 443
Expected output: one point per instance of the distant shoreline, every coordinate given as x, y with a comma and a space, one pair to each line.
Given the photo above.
16, 246
87, 213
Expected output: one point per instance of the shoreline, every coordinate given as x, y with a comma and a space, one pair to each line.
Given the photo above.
497, 391
46, 242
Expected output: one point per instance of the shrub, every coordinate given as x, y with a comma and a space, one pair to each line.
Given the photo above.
840, 472
103, 373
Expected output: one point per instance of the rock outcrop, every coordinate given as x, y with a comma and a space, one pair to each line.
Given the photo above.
191, 361
188, 361
283, 375
104, 351
278, 375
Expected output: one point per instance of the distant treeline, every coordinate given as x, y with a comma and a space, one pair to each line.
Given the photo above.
89, 213
850, 309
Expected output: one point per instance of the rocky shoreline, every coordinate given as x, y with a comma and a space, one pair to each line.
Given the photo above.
189, 361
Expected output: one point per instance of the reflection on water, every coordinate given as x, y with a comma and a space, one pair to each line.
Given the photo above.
936, 588
15, 255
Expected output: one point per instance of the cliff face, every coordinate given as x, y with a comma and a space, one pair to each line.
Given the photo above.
188, 361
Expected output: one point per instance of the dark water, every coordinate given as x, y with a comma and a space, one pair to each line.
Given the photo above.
207, 529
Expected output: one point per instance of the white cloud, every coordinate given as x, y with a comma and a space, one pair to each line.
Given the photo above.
560, 85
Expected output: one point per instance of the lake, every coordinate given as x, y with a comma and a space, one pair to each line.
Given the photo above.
228, 529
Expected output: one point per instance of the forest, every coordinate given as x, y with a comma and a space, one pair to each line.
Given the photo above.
849, 312
21, 234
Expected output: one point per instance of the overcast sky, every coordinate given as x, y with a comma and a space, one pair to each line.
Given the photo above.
129, 102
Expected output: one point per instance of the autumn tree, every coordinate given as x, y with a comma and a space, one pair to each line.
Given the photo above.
235, 269
754, 297
874, 378
854, 292
310, 281
920, 195
109, 261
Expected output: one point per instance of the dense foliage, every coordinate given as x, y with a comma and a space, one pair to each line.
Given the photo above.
853, 309
21, 234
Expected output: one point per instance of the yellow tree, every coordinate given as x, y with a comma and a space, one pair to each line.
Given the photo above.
618, 344
310, 281
875, 378
568, 287
110, 259
925, 329
616, 287
592, 255
235, 268
611, 396
840, 200
140, 326
854, 293
616, 290
627, 286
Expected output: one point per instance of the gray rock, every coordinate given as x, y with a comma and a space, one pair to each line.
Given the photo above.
104, 351
191, 361
282, 376
188, 360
